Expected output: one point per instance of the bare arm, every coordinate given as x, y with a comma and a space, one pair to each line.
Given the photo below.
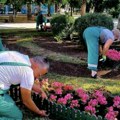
27, 100
100, 49
36, 88
107, 46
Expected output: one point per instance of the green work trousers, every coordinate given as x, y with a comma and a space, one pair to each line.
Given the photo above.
8, 108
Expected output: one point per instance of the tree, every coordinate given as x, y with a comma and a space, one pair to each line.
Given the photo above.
101, 5
83, 7
28, 2
16, 5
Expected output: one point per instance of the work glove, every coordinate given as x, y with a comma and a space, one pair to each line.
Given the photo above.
103, 59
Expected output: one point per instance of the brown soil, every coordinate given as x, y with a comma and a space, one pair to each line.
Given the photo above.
69, 48
65, 47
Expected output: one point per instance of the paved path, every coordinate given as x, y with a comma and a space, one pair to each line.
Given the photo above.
17, 25
29, 25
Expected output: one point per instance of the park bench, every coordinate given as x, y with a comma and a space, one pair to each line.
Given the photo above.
4, 20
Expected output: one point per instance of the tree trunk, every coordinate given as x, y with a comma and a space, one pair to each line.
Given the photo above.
118, 26
83, 7
29, 15
71, 13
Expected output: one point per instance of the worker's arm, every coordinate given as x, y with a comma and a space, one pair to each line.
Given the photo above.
106, 47
37, 88
28, 102
100, 49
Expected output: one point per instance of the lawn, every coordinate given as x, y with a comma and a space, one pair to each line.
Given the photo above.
26, 40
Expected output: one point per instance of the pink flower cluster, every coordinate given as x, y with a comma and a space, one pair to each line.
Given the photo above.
83, 95
90, 109
57, 85
58, 91
100, 97
91, 106
65, 99
68, 88
111, 115
113, 55
52, 97
74, 103
62, 101
116, 102
68, 96
93, 102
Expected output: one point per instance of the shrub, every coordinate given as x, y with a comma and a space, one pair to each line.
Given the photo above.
92, 19
61, 25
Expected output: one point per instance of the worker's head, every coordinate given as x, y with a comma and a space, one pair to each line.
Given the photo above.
40, 66
116, 33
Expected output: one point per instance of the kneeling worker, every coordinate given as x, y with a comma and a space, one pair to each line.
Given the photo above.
17, 68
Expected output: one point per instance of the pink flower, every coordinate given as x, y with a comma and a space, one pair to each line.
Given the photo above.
62, 101
90, 109
82, 94
53, 98
57, 85
116, 102
98, 93
113, 55
58, 91
68, 87
111, 115
84, 98
80, 91
110, 109
93, 102
100, 97
74, 103
102, 100
68, 97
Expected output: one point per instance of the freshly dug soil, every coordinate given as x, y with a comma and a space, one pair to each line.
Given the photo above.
65, 47
69, 69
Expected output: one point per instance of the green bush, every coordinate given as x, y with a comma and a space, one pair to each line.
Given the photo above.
92, 19
61, 26
114, 12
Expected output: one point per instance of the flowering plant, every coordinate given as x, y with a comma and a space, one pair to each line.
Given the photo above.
113, 55
95, 102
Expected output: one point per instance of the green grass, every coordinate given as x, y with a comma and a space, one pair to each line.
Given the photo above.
87, 83
22, 33
9, 31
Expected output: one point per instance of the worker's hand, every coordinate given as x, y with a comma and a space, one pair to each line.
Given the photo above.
103, 59
43, 95
42, 113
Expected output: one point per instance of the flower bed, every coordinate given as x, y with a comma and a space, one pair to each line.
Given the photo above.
80, 104
66, 103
